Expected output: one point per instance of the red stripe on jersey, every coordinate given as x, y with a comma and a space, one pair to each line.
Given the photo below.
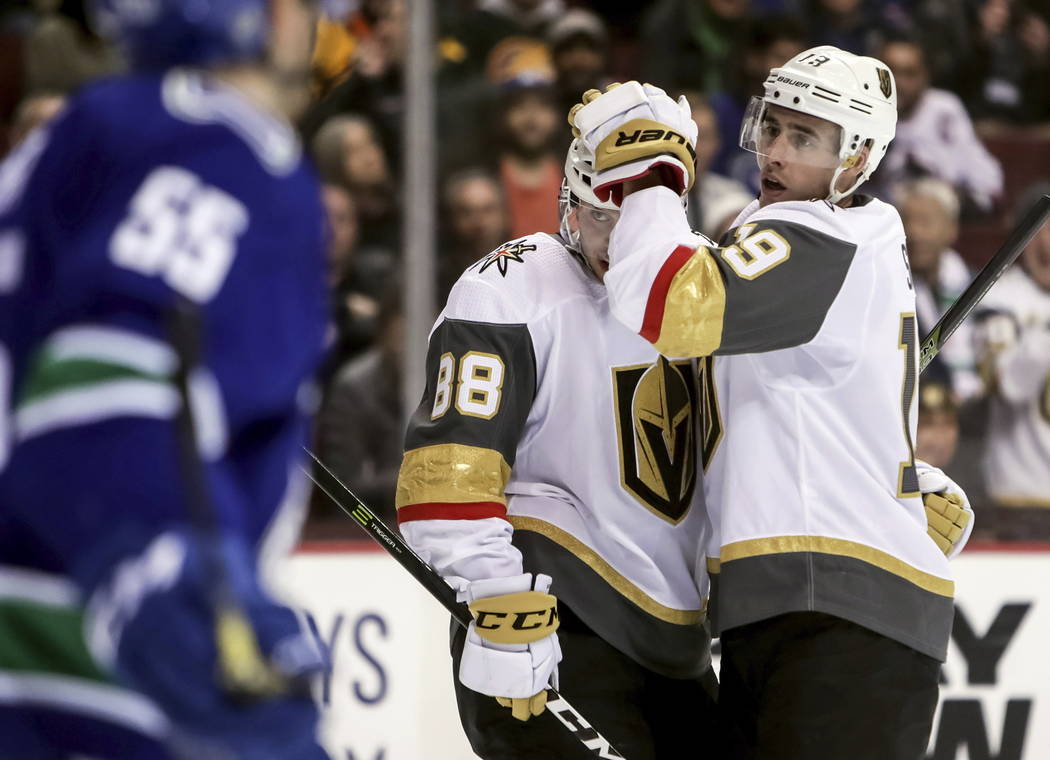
654, 307
476, 510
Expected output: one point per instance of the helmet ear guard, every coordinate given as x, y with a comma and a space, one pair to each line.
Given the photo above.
576, 188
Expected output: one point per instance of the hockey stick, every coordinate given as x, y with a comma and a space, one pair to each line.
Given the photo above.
326, 480
992, 271
244, 673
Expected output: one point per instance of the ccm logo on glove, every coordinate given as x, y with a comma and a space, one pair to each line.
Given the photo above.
515, 618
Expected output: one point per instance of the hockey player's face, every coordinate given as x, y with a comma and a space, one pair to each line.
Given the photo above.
797, 155
595, 226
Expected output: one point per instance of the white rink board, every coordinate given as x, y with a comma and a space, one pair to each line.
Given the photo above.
390, 696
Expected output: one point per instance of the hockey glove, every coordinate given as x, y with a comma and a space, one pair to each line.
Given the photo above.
512, 650
949, 517
634, 129
152, 621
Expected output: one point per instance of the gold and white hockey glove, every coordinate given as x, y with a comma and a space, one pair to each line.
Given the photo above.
949, 517
633, 129
512, 650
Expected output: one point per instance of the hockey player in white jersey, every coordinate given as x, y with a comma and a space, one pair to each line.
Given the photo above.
1013, 341
833, 603
555, 453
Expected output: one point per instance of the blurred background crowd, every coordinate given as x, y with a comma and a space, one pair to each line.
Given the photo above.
972, 152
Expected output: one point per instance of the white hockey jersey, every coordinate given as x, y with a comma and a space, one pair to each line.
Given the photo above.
552, 439
806, 317
1014, 350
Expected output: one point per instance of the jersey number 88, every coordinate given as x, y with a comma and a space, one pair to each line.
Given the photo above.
477, 388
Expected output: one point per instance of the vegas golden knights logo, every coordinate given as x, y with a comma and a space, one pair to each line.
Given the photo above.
656, 424
885, 82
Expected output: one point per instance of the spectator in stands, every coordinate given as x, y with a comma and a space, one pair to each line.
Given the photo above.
360, 426
482, 29
527, 122
935, 136
579, 43
929, 209
847, 24
1010, 55
714, 200
62, 51
374, 84
475, 219
1013, 346
769, 41
348, 152
944, 31
355, 308
33, 111
693, 43
938, 431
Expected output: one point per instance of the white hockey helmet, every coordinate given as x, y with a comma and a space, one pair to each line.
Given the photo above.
858, 93
576, 188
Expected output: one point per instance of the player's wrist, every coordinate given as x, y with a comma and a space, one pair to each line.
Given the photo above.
658, 177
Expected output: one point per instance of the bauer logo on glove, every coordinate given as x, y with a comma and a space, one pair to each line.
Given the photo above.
632, 130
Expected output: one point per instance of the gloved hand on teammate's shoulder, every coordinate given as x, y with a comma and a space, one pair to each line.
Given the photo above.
949, 516
512, 650
632, 130
151, 619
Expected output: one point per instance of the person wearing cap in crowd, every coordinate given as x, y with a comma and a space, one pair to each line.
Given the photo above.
579, 45
526, 127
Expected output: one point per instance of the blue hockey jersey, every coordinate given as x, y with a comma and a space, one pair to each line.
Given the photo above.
144, 191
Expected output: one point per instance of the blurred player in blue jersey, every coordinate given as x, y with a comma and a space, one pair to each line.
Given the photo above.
133, 526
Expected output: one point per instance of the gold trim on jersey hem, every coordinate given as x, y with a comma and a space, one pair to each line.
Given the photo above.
837, 546
608, 573
1021, 502
451, 473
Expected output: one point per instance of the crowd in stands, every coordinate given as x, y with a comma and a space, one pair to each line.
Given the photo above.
973, 143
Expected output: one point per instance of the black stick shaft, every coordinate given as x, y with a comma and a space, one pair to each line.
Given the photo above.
327, 481
559, 707
992, 271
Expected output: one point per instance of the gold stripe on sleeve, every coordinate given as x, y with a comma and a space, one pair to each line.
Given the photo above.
837, 546
610, 575
452, 473
694, 309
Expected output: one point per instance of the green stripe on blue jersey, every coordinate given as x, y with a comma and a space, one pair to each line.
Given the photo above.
48, 377
45, 639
